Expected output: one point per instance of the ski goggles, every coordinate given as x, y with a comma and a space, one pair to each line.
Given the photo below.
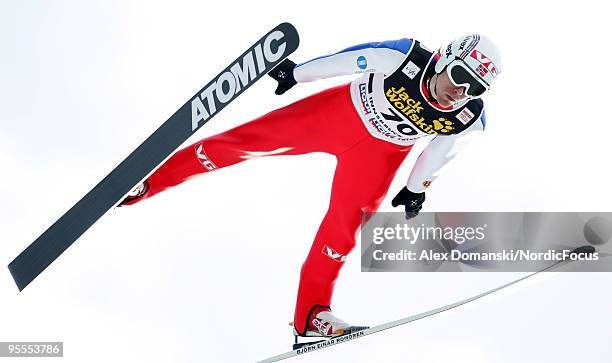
462, 76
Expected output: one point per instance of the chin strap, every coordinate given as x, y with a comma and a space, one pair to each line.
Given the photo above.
430, 94
435, 90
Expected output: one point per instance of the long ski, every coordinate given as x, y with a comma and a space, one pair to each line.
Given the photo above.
253, 64
349, 337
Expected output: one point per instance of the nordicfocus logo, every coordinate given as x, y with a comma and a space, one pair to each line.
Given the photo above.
336, 256
203, 158
229, 83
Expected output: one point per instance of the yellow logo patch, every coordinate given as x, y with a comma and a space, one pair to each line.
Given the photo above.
411, 109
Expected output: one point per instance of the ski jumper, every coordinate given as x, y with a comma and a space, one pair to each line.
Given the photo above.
369, 125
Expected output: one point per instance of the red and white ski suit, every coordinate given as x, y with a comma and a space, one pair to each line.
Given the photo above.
324, 122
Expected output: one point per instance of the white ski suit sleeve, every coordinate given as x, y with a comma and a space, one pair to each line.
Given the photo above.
440, 150
376, 57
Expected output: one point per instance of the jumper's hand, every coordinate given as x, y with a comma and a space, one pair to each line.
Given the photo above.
283, 73
413, 202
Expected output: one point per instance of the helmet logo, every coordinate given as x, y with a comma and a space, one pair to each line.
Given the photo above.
449, 50
482, 71
486, 65
464, 42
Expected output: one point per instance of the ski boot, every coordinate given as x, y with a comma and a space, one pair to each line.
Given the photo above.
321, 323
138, 192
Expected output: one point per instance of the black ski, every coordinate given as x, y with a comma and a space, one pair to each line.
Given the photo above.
254, 63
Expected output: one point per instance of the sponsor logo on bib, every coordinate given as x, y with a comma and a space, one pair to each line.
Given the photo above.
411, 70
465, 116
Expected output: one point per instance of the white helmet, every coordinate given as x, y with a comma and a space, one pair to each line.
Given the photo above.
472, 61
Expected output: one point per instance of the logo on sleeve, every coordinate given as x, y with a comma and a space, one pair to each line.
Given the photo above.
411, 70
362, 62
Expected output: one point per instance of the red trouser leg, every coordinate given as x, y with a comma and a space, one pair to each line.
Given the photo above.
327, 122
362, 178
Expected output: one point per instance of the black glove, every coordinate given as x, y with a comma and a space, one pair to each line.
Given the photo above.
283, 73
412, 201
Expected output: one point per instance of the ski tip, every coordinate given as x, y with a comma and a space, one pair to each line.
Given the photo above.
19, 281
287, 26
290, 32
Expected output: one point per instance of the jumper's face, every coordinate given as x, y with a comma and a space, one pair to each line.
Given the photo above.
447, 94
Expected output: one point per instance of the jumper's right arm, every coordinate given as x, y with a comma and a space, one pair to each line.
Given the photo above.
379, 57
376, 57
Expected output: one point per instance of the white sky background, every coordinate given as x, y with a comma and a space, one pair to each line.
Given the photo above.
208, 271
